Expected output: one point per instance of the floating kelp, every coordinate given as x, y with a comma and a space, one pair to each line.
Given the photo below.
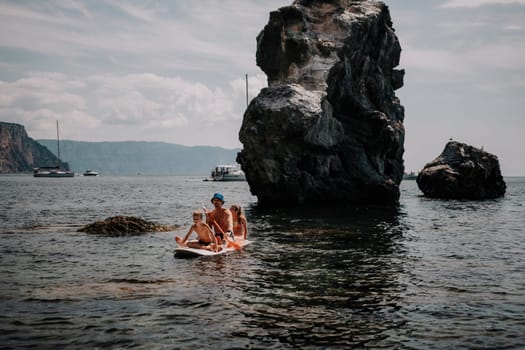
124, 226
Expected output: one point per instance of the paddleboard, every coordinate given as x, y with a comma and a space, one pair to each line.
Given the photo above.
194, 252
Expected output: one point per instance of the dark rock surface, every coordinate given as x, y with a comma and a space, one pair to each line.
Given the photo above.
462, 171
19, 153
328, 128
124, 226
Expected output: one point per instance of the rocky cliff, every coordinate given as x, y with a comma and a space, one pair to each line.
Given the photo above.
19, 153
328, 128
462, 171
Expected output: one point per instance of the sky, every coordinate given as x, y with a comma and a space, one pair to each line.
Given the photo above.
174, 71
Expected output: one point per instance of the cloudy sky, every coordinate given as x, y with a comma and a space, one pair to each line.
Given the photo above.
174, 71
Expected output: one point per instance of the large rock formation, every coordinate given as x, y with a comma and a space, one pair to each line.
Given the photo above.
462, 171
328, 128
19, 153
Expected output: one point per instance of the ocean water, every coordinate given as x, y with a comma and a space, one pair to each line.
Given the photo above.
428, 274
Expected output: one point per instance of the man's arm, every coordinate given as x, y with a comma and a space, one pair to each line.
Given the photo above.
209, 218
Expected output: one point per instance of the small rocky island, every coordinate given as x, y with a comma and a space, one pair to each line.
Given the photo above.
329, 127
124, 226
462, 171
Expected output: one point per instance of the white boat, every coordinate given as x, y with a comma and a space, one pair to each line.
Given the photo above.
53, 171
227, 173
90, 172
410, 176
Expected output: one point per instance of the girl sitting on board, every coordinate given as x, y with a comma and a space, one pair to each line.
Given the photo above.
206, 237
240, 224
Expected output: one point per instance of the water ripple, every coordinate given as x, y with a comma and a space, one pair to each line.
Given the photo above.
427, 274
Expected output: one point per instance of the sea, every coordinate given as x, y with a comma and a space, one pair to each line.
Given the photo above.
425, 274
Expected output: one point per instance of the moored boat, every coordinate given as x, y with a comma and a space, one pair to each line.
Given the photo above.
227, 173
410, 176
53, 171
90, 172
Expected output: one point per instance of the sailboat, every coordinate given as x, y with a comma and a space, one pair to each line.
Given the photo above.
53, 171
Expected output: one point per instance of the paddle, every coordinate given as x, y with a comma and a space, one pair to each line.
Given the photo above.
235, 245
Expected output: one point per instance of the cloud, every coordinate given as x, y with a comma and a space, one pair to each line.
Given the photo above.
124, 35
128, 104
468, 61
514, 27
255, 84
479, 3
463, 47
143, 13
435, 60
41, 91
154, 70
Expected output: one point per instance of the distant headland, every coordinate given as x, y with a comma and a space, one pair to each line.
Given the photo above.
19, 153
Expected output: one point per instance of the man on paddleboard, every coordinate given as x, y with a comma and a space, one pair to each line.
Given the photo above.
220, 219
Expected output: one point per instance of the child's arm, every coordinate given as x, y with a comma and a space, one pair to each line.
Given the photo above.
192, 228
209, 217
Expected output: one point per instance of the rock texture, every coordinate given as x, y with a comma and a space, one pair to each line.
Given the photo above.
462, 171
124, 226
328, 128
19, 153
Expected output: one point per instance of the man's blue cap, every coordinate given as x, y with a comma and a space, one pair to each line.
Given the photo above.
218, 196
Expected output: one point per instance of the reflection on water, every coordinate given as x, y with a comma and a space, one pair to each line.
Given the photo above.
320, 270
111, 289
424, 274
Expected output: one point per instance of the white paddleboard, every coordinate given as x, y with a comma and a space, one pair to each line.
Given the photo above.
194, 252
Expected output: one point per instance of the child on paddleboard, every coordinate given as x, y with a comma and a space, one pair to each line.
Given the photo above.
240, 224
206, 239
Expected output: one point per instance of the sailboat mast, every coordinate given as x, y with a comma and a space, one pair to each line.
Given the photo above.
246, 90
58, 147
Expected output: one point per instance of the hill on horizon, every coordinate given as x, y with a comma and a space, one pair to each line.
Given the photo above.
141, 157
